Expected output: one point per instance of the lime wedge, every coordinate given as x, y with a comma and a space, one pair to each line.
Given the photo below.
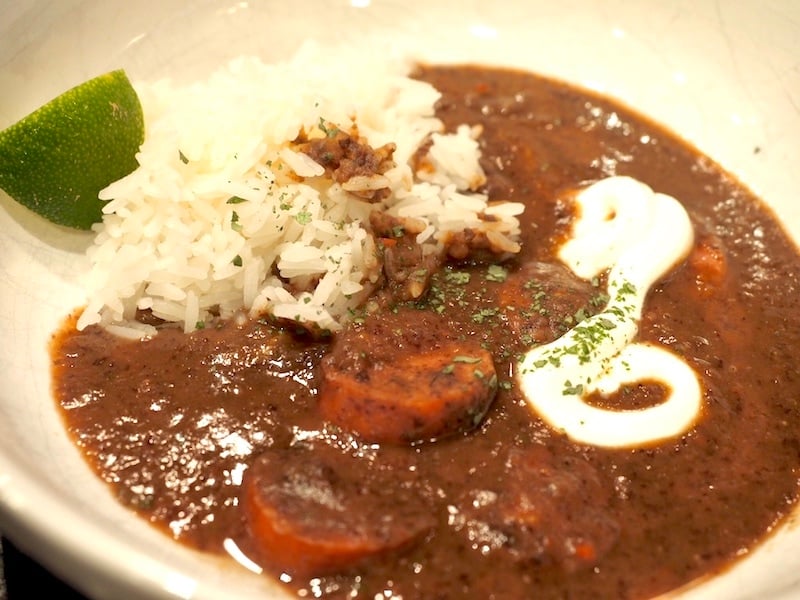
57, 159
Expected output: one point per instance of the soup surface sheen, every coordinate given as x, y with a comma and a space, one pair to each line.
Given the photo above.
512, 508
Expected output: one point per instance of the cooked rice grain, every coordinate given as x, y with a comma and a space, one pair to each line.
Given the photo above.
220, 200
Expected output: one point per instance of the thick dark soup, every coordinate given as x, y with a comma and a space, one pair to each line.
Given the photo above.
194, 430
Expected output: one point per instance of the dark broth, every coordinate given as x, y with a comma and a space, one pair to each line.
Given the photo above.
172, 423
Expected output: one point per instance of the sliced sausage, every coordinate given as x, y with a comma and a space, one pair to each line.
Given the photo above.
406, 377
318, 512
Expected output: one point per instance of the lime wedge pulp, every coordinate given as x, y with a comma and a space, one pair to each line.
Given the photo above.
56, 160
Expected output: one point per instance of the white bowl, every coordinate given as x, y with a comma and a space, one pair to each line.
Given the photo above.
723, 74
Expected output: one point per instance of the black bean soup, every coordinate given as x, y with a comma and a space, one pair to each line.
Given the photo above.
223, 433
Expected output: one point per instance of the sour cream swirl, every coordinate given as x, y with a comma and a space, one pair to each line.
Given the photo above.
638, 235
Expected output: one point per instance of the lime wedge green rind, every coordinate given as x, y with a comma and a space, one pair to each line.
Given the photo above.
56, 160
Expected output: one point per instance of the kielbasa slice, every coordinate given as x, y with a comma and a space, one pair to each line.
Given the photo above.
319, 512
406, 377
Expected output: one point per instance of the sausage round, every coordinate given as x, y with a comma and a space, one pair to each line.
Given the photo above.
390, 382
318, 512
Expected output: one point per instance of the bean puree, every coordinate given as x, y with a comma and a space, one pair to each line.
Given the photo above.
241, 430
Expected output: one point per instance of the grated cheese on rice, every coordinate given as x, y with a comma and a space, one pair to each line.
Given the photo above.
223, 216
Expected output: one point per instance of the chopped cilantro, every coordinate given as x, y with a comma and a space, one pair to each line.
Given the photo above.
235, 225
457, 277
606, 323
572, 390
496, 273
483, 314
626, 289
329, 131
581, 315
600, 299
466, 359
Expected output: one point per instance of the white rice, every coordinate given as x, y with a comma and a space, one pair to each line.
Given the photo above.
220, 201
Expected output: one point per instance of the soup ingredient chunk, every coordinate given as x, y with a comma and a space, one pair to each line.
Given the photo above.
407, 265
404, 377
544, 300
313, 513
56, 160
351, 161
551, 511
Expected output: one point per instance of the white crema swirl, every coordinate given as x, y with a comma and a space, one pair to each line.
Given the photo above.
638, 235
